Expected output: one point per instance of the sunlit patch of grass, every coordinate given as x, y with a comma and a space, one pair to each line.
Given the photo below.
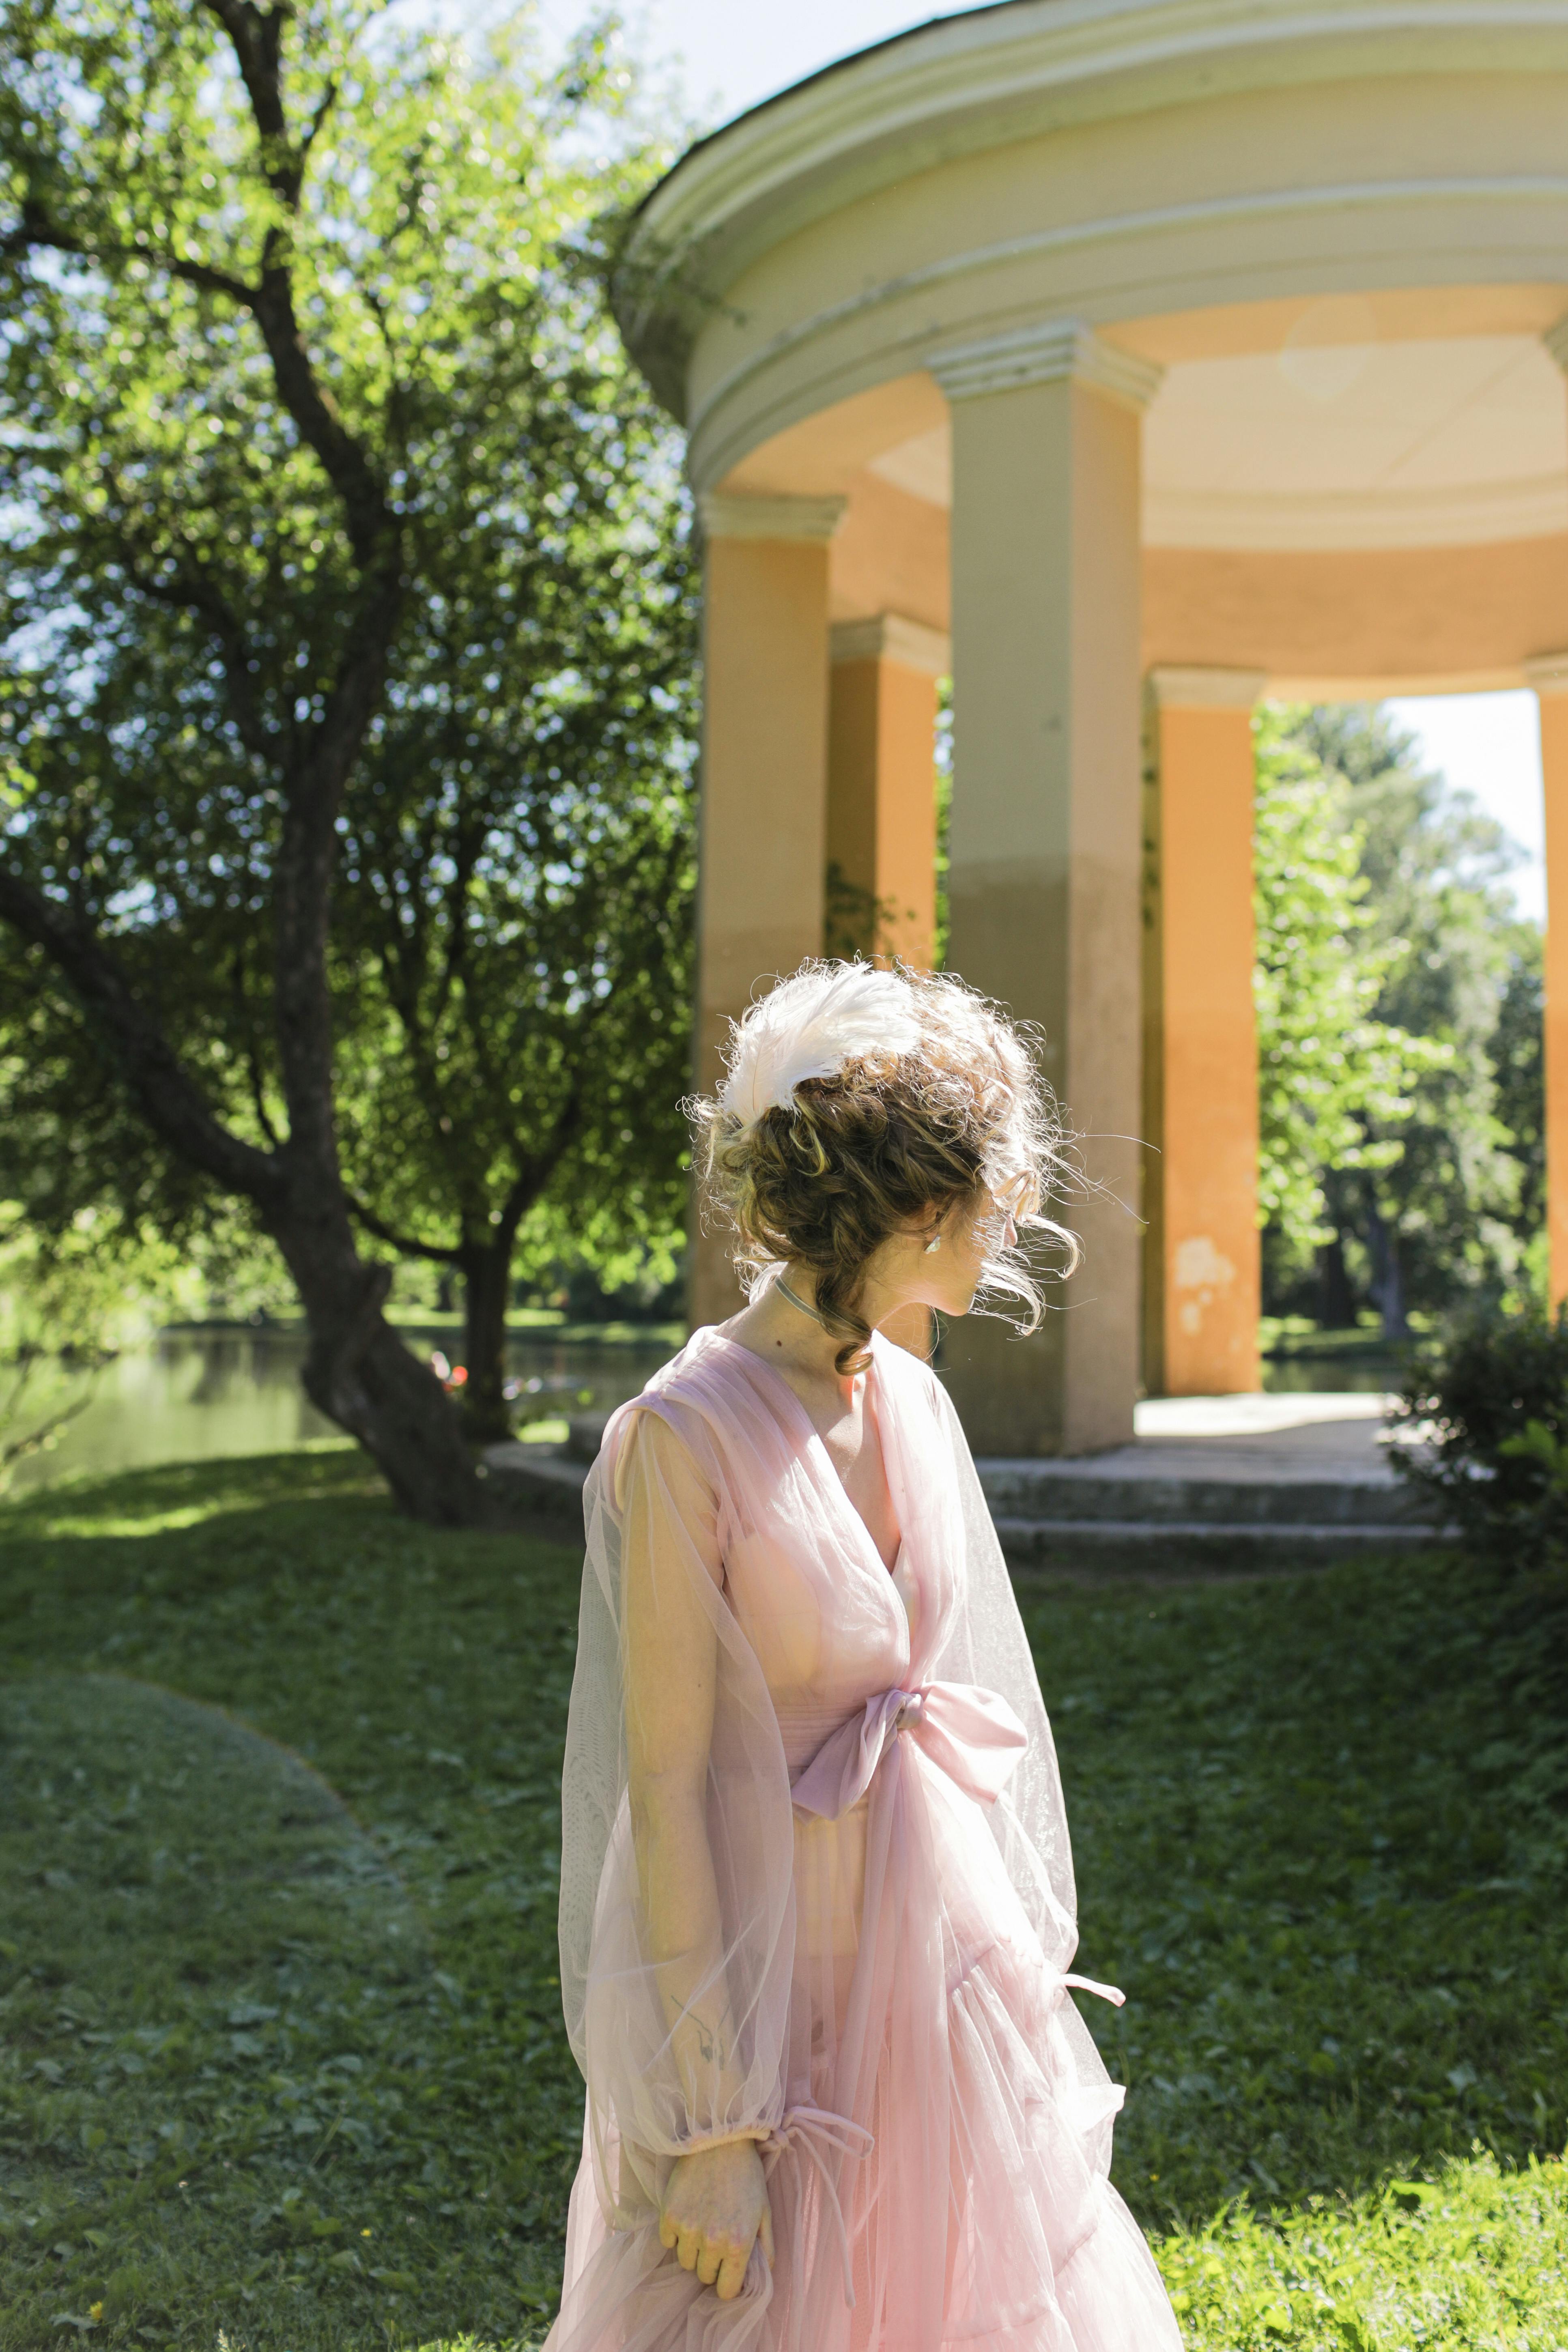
1476, 2257
179, 1495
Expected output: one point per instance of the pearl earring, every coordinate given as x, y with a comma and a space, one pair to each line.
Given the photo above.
934, 1243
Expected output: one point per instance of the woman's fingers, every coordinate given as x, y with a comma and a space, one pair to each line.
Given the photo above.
714, 2237
732, 2275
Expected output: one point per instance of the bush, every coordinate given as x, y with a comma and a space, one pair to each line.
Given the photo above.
1489, 1403
1490, 1406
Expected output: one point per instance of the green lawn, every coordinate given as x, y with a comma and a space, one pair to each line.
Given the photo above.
282, 2064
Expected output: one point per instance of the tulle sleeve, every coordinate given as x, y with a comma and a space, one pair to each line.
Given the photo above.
676, 1953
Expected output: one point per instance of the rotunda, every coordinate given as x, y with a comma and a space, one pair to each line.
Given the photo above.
1128, 361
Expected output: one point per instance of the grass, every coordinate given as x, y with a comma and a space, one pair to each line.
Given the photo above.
281, 2051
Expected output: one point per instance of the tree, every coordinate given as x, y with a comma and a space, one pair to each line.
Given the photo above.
1444, 1218
1518, 1056
344, 711
1335, 1080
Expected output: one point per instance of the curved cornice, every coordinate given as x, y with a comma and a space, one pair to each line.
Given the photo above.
1468, 515
714, 446
1000, 74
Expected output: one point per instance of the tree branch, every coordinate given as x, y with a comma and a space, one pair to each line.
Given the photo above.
171, 1103
537, 1169
404, 1244
253, 1059
35, 228
257, 42
196, 591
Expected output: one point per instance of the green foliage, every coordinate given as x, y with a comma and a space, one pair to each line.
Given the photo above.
1489, 1403
1517, 1050
1334, 1081
1441, 1199
235, 370
67, 1305
1345, 1963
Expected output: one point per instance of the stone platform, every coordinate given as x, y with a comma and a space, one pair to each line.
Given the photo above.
1218, 1476
1228, 1481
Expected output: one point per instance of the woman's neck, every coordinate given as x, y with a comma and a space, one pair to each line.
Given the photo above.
783, 1325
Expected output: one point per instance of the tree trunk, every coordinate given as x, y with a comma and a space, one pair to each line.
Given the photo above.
1336, 1304
1388, 1275
487, 1289
359, 1373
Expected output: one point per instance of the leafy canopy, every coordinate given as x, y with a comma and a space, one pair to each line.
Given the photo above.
234, 374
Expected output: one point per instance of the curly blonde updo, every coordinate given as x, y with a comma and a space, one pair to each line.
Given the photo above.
950, 1110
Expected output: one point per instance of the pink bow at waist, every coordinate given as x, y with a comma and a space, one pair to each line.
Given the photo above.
966, 1731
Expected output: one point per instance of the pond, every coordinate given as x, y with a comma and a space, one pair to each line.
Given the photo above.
208, 1391
1341, 1374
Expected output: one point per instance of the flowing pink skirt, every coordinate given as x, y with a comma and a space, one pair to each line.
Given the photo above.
975, 2209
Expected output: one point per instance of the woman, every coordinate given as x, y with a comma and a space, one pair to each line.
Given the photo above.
816, 1902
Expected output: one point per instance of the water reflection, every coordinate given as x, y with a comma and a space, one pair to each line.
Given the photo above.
197, 1395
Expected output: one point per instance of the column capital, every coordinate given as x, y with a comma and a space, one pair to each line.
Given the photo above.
889, 636
1556, 342
1208, 689
727, 516
1548, 673
1057, 351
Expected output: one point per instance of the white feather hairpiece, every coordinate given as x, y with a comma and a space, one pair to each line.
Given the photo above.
810, 1026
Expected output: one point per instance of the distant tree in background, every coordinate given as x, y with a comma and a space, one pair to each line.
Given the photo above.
1517, 1054
347, 643
1434, 1195
1336, 1082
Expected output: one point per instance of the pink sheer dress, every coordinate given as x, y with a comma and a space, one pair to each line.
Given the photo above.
885, 1820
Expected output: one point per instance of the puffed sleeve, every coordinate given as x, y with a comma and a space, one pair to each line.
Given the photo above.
678, 1839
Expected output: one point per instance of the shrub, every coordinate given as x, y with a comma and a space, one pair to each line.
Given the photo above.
1489, 1404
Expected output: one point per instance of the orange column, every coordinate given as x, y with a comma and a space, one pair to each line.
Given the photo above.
1044, 844
763, 831
881, 788
881, 812
1204, 1278
1549, 675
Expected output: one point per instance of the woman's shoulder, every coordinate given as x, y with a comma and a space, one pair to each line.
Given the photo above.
710, 1397
909, 1379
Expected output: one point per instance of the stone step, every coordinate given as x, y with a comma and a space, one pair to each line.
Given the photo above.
1133, 1488
1055, 1512
1172, 1545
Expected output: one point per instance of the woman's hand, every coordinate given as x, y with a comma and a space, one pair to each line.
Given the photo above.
715, 2207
